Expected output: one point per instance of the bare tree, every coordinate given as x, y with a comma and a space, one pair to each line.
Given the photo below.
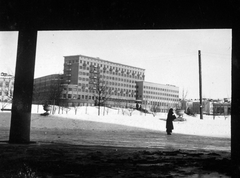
6, 90
146, 102
55, 93
119, 102
155, 108
130, 108
100, 87
184, 94
37, 97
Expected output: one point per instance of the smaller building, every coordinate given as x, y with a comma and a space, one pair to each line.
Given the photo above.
221, 108
157, 96
211, 107
48, 89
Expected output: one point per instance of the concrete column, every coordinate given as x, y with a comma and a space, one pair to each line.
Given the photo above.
235, 110
23, 87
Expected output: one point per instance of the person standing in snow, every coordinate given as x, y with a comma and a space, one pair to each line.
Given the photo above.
169, 123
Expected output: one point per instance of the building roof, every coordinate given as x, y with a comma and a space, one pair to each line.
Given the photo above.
48, 76
97, 58
165, 85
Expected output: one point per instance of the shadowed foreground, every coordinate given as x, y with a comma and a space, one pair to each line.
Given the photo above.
93, 149
64, 160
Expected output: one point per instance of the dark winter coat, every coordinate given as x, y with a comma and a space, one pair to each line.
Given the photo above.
169, 123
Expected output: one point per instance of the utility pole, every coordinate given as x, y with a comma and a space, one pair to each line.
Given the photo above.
200, 83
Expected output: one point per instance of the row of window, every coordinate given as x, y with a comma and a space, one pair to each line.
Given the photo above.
121, 94
146, 97
159, 98
107, 77
101, 65
88, 97
116, 78
110, 69
110, 92
69, 96
91, 86
145, 102
157, 93
107, 83
160, 89
128, 74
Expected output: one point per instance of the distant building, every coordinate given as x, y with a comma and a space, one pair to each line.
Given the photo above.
157, 95
44, 89
124, 85
212, 107
222, 108
6, 87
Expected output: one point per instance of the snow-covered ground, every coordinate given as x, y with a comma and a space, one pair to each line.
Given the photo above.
218, 127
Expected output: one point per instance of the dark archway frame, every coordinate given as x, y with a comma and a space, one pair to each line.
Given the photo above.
30, 17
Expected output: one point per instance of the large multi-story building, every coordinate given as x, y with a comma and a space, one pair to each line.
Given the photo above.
159, 96
86, 80
82, 75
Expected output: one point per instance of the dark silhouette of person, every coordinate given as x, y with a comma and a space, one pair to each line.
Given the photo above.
169, 123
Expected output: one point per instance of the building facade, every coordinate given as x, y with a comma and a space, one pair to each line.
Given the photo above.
48, 89
211, 107
157, 96
94, 81
84, 75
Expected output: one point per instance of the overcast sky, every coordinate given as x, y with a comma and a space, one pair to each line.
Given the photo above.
169, 56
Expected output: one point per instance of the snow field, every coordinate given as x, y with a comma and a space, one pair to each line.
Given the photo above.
218, 127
